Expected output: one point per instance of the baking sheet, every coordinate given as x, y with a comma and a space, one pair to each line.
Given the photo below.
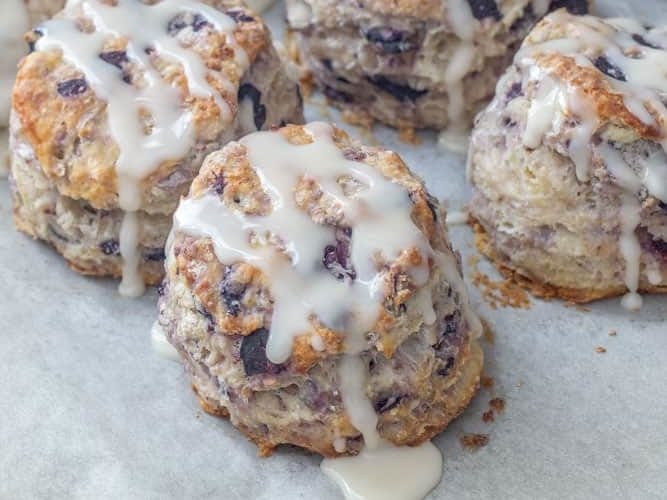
89, 410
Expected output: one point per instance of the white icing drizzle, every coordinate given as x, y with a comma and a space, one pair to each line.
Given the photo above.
463, 23
637, 72
171, 134
14, 22
379, 218
161, 345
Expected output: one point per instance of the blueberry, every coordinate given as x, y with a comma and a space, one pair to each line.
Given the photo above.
525, 22
336, 95
389, 40
577, 7
154, 254
240, 16
219, 184
253, 354
72, 88
353, 154
110, 247
482, 9
399, 91
444, 370
336, 257
115, 58
385, 403
162, 288
643, 41
514, 91
182, 21
199, 22
231, 292
37, 34
609, 69
248, 91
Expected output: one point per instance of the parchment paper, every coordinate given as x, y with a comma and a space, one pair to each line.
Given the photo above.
89, 411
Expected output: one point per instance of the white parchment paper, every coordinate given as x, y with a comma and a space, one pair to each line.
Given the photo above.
89, 411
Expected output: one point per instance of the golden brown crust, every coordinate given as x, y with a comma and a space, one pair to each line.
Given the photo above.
457, 397
609, 105
546, 290
90, 172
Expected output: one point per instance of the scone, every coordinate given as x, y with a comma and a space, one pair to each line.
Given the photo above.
17, 18
568, 162
313, 295
425, 64
115, 110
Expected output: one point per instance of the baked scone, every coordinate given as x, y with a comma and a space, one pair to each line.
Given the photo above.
114, 112
309, 276
568, 162
17, 18
407, 63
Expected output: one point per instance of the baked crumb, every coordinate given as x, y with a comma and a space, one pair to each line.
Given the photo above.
474, 441
503, 293
498, 404
600, 350
408, 135
486, 382
488, 416
612, 333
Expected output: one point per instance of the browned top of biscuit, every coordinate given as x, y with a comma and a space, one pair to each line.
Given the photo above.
229, 175
70, 133
588, 54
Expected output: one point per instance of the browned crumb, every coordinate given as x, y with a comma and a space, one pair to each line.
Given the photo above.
600, 350
503, 293
474, 441
408, 135
486, 382
488, 416
488, 335
612, 333
497, 404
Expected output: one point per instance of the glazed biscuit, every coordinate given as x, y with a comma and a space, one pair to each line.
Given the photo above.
307, 272
114, 112
568, 162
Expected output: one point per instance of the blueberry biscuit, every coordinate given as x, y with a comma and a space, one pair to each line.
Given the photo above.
313, 294
420, 64
568, 162
114, 112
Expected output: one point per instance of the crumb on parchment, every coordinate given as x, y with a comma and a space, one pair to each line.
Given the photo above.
600, 350
473, 442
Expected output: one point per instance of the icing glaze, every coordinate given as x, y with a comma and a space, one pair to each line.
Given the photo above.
171, 133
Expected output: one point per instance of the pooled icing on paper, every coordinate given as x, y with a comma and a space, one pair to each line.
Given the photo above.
172, 131
635, 70
379, 217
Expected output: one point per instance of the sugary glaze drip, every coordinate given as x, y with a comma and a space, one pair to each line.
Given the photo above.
379, 218
631, 62
148, 122
14, 22
464, 24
